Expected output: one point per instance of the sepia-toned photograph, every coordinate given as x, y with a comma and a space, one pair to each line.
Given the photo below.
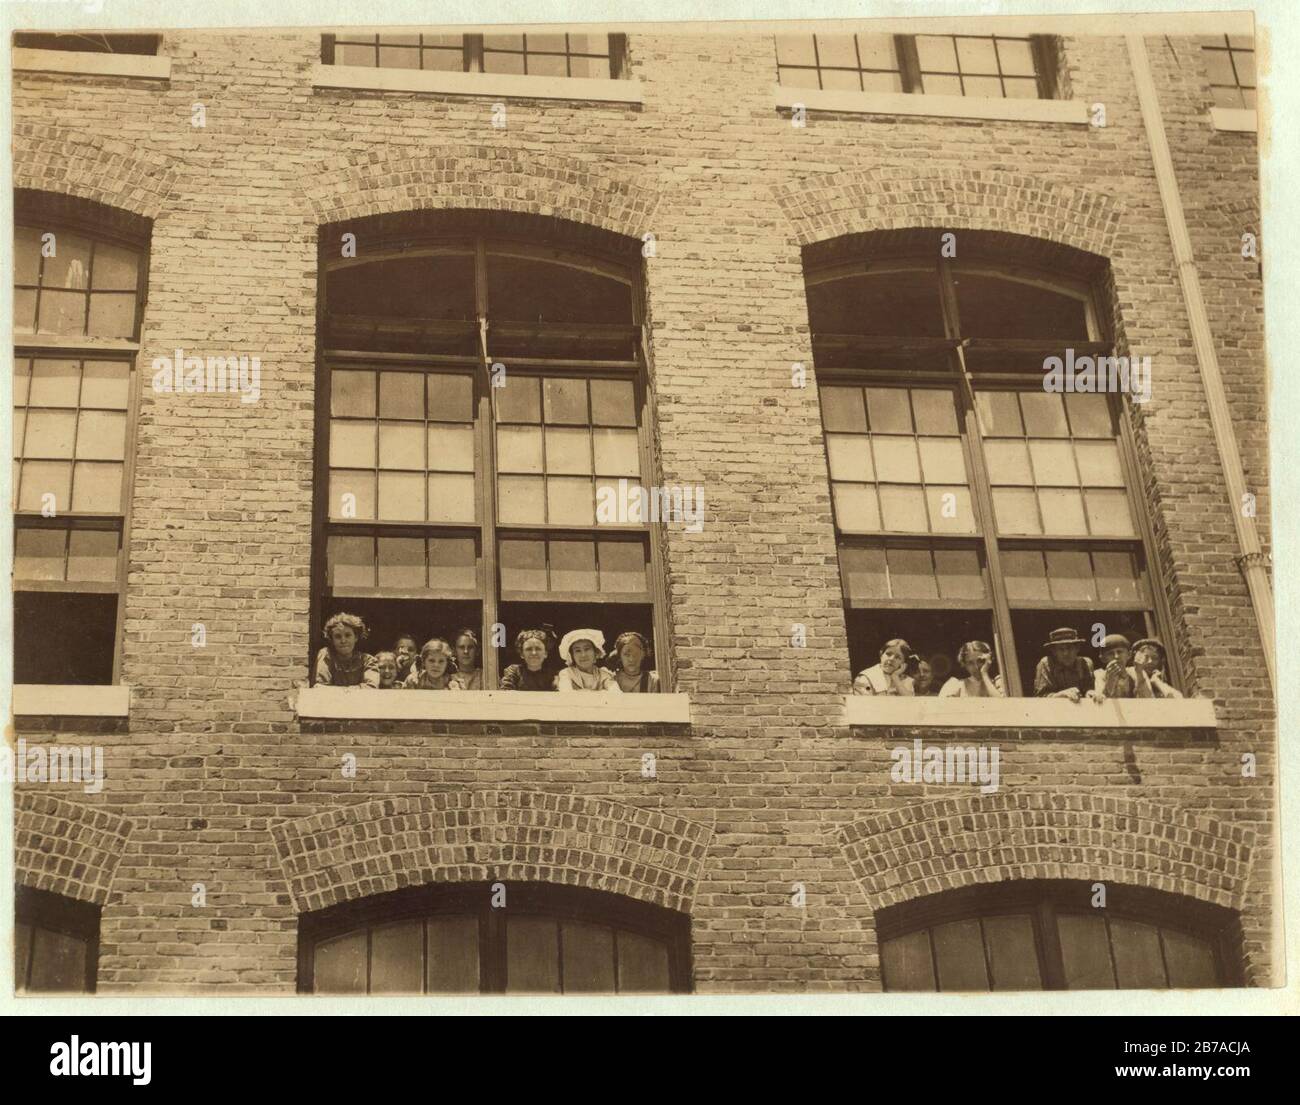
638, 509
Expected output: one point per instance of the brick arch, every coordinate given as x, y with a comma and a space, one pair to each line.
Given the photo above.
936, 846
481, 177
855, 201
483, 835
65, 847
117, 173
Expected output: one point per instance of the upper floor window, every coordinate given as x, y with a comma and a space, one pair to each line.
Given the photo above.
56, 943
1047, 935
970, 503
449, 940
89, 42
78, 299
599, 56
947, 65
1232, 71
484, 447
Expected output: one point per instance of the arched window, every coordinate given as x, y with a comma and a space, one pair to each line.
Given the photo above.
971, 502
484, 423
1050, 935
79, 283
494, 938
56, 943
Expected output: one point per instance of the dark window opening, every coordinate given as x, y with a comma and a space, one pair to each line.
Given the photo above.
89, 42
594, 56
64, 637
56, 943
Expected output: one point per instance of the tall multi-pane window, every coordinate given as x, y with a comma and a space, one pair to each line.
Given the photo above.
77, 304
971, 503
1231, 63
484, 440
600, 56
56, 943
448, 939
946, 65
1044, 935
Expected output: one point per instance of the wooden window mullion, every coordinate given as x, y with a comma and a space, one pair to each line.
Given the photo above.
908, 62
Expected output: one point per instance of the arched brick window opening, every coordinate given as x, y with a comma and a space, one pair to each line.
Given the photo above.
494, 938
56, 943
972, 502
483, 432
1057, 935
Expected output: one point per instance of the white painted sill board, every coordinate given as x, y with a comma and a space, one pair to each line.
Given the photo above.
359, 703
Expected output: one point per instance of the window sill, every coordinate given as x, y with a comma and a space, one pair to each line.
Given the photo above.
1234, 118
361, 77
358, 703
1028, 713
71, 700
949, 107
147, 66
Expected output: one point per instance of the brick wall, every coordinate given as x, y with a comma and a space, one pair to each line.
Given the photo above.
220, 783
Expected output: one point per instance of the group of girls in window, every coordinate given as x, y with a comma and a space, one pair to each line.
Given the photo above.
1122, 671
442, 665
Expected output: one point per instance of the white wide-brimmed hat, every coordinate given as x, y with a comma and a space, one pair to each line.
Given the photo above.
595, 636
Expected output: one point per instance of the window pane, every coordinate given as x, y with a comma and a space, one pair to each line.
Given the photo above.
941, 86
1016, 57
569, 451
452, 563
352, 393
399, 57
1099, 463
451, 498
1023, 574
1085, 952
523, 566
987, 87
941, 460
1245, 63
856, 507
27, 254
352, 54
397, 958
520, 499
70, 265
1008, 462
451, 448
880, 304
97, 488
1219, 67
588, 958
573, 565
889, 411
453, 955
934, 412
112, 315
54, 383
1044, 414
950, 509
532, 956
569, 502
401, 395
1062, 511
882, 82
401, 563
350, 562
1020, 88
642, 965
50, 434
106, 384
1053, 464
849, 457
565, 400
976, 55
842, 410
340, 965
911, 574
519, 449
617, 452
352, 494
958, 571
863, 571
936, 53
20, 432
352, 444
519, 400
58, 963
38, 553
999, 414
450, 398
1013, 955
1016, 510
1000, 307
613, 403
1108, 513
622, 566
896, 459
401, 496
1117, 577
959, 952
902, 509
115, 268
1138, 962
1089, 415
907, 964
24, 311
1069, 575
877, 52
1190, 961
62, 313
401, 445
41, 477
795, 50
593, 68
92, 555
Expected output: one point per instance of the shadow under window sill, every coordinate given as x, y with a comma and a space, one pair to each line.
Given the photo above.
359, 703
889, 711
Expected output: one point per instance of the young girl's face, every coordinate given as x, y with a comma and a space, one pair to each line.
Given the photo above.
387, 669
405, 650
344, 639
631, 656
534, 654
1065, 655
583, 655
975, 660
1148, 659
435, 664
466, 654
891, 660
